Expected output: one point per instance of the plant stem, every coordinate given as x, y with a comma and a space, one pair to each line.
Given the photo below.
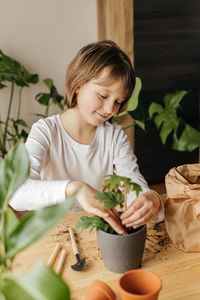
19, 103
47, 109
128, 126
3, 241
7, 120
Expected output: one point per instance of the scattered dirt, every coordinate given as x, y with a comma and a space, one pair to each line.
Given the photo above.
157, 243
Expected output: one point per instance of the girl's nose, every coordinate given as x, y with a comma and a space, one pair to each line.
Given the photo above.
108, 108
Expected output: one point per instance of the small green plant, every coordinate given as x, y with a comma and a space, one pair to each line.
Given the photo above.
40, 282
48, 99
114, 195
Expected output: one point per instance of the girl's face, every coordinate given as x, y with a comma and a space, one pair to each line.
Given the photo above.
97, 102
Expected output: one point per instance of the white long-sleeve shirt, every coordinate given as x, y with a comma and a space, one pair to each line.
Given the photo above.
56, 159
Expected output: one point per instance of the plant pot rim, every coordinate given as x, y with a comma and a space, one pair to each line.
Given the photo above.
144, 272
141, 228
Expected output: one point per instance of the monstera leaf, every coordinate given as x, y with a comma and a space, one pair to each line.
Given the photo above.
168, 121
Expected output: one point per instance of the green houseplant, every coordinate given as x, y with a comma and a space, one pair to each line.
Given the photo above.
14, 75
40, 282
168, 118
120, 253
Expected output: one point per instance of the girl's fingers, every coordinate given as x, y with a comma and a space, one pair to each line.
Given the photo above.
145, 219
139, 214
137, 204
119, 228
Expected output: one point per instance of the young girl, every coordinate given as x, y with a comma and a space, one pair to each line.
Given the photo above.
80, 146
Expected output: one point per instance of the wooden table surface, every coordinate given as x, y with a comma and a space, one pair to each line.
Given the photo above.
179, 271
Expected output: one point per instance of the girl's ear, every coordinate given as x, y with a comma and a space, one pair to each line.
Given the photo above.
77, 90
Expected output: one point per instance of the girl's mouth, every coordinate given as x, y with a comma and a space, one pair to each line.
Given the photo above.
102, 116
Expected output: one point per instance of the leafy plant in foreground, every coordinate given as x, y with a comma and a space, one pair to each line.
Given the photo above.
114, 194
40, 282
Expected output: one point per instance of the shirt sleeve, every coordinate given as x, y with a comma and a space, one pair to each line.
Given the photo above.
125, 164
36, 193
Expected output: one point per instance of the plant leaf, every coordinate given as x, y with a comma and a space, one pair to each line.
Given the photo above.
11, 70
38, 283
111, 199
14, 170
94, 222
11, 222
188, 141
33, 226
49, 83
2, 297
133, 101
166, 117
43, 98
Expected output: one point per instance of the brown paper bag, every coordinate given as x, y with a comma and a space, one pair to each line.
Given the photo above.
182, 207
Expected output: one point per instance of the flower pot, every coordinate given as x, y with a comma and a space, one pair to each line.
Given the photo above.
139, 285
99, 290
121, 253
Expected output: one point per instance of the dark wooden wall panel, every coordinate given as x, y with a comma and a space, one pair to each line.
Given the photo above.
167, 58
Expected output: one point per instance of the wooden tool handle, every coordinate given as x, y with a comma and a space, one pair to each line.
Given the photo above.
54, 254
73, 240
61, 261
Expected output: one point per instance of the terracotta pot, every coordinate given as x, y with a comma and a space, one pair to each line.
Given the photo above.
99, 290
121, 253
139, 285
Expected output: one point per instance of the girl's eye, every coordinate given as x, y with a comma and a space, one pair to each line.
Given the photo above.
117, 103
102, 96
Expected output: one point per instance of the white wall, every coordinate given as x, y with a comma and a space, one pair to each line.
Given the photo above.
44, 35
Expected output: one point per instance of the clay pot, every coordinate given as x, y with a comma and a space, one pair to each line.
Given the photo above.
99, 290
139, 285
121, 253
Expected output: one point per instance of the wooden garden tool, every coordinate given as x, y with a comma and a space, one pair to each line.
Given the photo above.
79, 262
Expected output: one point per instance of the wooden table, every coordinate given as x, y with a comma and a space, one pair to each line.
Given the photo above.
179, 271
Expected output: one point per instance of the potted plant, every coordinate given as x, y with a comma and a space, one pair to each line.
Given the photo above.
120, 253
40, 282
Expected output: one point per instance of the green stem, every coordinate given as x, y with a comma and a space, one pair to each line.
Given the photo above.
128, 126
19, 103
7, 120
47, 109
3, 241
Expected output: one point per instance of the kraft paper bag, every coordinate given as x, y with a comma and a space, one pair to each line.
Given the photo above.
182, 207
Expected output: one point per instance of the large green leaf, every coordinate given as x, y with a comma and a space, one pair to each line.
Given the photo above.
189, 140
11, 70
14, 170
133, 101
166, 117
2, 297
33, 226
11, 222
39, 283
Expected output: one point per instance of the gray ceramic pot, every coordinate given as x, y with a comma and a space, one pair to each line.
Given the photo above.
122, 253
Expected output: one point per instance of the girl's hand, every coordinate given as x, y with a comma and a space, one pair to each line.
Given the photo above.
143, 209
91, 205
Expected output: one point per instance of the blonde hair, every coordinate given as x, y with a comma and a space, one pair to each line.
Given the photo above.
90, 61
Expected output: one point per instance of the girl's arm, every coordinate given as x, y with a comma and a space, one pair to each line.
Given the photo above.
37, 193
148, 206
